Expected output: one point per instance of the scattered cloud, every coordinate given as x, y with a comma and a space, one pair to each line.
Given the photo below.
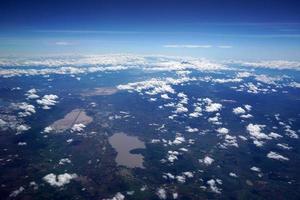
213, 186
190, 46
17, 192
238, 110
59, 180
47, 101
276, 156
161, 193
207, 160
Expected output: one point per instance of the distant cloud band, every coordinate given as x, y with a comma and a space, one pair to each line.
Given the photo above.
194, 46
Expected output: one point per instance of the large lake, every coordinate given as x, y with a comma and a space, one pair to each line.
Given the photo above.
123, 144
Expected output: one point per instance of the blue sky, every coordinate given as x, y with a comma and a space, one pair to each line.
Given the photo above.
216, 29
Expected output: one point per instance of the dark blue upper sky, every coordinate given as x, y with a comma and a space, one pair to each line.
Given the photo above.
225, 29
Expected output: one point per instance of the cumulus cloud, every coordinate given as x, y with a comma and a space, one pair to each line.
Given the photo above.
64, 161
161, 193
59, 180
274, 135
233, 175
213, 107
26, 108
48, 129
191, 130
207, 160
118, 196
247, 116
294, 84
172, 156
78, 127
165, 96
230, 141
180, 108
31, 94
223, 131
238, 111
255, 169
178, 140
47, 101
255, 130
276, 156
213, 186
284, 146
22, 128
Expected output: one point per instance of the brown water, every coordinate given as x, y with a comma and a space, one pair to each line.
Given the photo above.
123, 144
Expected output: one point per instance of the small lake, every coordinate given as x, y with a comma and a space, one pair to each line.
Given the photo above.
123, 144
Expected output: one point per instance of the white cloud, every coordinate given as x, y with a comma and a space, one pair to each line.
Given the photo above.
207, 160
233, 175
47, 101
118, 196
195, 114
78, 127
17, 192
247, 116
273, 64
186, 46
213, 186
165, 96
230, 141
223, 131
276, 156
255, 169
255, 130
284, 146
175, 195
81, 64
213, 107
59, 180
31, 94
228, 80
267, 79
64, 161
215, 120
244, 74
22, 143
191, 130
180, 108
180, 179
172, 156
238, 110
248, 107
48, 129
178, 140
22, 128
161, 193
26, 108
294, 84
291, 133
274, 135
